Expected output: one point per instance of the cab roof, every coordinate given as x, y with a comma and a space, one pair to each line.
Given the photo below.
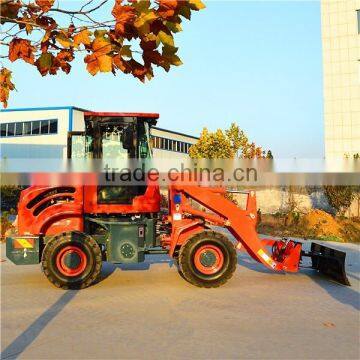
122, 114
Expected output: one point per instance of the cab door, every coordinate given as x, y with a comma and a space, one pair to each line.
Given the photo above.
80, 145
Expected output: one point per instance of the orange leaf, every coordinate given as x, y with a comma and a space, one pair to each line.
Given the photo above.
92, 64
105, 63
63, 40
101, 46
64, 57
154, 57
139, 71
45, 5
71, 29
83, 37
167, 8
44, 63
47, 63
5, 85
124, 15
21, 49
95, 63
121, 64
10, 10
99, 60
46, 22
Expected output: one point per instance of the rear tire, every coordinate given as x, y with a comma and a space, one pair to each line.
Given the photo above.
207, 259
71, 260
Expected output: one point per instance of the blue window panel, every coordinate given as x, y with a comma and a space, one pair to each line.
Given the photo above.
19, 129
3, 130
53, 127
11, 129
35, 128
27, 128
44, 127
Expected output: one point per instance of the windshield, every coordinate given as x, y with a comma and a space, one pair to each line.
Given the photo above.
112, 143
112, 139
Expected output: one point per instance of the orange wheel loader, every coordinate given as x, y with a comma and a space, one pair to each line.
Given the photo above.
71, 230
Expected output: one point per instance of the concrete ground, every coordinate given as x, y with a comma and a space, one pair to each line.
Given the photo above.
149, 311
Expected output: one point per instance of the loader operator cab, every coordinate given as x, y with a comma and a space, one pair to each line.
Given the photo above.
113, 136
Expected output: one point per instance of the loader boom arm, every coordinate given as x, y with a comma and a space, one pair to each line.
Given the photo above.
240, 222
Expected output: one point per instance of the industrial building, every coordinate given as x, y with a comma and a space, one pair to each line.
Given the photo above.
43, 133
340, 22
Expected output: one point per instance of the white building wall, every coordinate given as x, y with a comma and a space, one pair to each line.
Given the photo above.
168, 154
341, 66
35, 146
78, 121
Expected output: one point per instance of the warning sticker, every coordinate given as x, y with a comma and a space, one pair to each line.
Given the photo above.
23, 243
266, 258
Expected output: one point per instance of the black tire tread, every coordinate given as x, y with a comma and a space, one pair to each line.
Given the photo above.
66, 237
184, 254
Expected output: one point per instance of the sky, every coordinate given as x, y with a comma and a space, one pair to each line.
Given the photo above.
258, 64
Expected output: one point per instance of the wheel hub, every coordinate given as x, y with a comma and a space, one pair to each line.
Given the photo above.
71, 261
209, 259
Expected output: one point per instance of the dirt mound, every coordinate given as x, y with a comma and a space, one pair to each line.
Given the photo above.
321, 223
350, 230
316, 224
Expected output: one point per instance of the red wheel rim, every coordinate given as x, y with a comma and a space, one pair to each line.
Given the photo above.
208, 259
71, 252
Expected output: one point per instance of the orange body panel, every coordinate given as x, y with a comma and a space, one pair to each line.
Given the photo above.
45, 210
50, 210
182, 230
147, 203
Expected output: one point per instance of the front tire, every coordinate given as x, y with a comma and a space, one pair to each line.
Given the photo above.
208, 259
71, 260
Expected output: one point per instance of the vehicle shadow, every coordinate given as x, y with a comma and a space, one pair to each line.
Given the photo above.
344, 294
244, 260
254, 266
108, 268
347, 295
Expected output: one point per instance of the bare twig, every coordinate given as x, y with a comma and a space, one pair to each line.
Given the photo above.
87, 4
80, 12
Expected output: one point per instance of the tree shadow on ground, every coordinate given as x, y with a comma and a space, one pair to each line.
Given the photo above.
27, 337
15, 348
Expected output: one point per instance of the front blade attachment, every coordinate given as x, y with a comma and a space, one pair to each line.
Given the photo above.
329, 262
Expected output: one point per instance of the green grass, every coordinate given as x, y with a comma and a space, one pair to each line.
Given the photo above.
330, 238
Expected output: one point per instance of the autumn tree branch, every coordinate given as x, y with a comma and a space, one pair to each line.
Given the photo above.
45, 35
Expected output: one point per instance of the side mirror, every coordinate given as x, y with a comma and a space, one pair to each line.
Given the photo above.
127, 138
